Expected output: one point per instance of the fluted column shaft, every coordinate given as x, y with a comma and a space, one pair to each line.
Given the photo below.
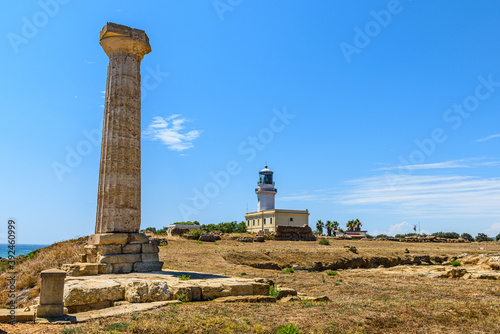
119, 193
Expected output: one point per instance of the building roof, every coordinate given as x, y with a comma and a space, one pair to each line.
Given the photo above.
278, 211
266, 171
356, 235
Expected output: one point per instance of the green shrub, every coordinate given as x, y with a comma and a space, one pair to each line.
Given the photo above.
455, 263
195, 232
187, 223
324, 242
182, 297
287, 329
332, 273
483, 237
184, 278
288, 271
273, 291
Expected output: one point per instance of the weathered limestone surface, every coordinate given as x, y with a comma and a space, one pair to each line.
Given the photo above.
97, 292
119, 192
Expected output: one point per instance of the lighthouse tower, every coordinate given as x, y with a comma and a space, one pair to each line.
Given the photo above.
265, 191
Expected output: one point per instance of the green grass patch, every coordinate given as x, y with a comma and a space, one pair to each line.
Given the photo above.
119, 326
324, 242
455, 263
288, 271
331, 273
287, 329
273, 291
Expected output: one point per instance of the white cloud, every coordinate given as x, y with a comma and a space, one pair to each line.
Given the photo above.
488, 138
493, 230
436, 196
400, 228
463, 163
170, 131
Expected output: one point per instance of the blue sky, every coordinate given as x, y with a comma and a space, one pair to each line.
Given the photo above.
384, 111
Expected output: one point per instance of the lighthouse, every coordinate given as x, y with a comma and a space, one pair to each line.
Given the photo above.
267, 217
265, 191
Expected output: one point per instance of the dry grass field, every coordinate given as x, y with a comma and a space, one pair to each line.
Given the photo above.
387, 300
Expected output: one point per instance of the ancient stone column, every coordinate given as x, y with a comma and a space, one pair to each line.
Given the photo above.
119, 192
117, 246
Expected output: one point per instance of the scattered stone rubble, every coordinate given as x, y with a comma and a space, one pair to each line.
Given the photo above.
294, 233
429, 238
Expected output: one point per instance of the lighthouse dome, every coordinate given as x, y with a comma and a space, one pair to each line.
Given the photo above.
266, 171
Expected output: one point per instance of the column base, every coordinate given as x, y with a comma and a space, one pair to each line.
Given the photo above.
117, 253
50, 310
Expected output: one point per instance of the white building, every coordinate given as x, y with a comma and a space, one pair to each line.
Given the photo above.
266, 218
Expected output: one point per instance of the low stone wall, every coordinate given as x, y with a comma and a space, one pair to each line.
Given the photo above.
294, 233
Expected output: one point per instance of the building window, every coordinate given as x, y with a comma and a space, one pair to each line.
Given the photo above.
253, 222
264, 221
248, 223
271, 220
291, 219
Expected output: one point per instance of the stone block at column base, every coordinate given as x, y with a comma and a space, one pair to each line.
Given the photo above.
50, 310
87, 269
123, 268
108, 239
144, 267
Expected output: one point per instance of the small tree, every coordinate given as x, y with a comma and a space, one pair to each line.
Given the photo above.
319, 226
467, 236
497, 238
329, 227
335, 226
483, 237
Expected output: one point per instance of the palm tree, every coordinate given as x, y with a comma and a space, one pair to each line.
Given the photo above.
329, 227
350, 225
319, 226
358, 224
335, 226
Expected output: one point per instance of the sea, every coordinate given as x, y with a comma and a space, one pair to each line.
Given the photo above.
21, 249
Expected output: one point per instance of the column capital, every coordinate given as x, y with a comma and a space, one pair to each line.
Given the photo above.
119, 38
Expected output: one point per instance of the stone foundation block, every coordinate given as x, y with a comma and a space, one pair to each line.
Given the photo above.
144, 267
150, 257
105, 268
122, 268
158, 290
91, 251
120, 258
137, 292
131, 248
260, 289
81, 293
109, 249
243, 289
138, 238
108, 238
50, 311
81, 269
150, 248
213, 291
